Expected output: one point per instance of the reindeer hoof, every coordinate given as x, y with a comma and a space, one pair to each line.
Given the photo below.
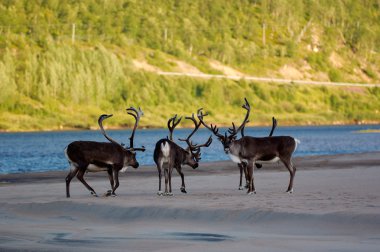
94, 194
168, 194
251, 193
183, 190
108, 193
290, 191
160, 193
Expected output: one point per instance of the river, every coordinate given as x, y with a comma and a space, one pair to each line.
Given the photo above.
43, 151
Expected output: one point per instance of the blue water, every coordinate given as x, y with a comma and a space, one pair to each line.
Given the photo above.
43, 151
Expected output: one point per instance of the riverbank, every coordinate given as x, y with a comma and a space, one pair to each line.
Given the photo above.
335, 206
342, 161
258, 124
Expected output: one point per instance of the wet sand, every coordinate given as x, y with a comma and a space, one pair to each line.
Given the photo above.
335, 207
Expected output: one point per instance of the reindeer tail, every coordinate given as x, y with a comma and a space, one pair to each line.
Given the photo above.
165, 148
297, 143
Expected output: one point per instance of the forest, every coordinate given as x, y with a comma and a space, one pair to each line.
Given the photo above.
63, 63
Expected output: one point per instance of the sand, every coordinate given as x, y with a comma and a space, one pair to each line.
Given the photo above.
335, 207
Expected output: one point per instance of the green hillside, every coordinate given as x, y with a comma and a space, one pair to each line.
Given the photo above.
63, 63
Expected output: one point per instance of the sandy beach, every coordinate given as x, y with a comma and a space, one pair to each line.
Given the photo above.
335, 207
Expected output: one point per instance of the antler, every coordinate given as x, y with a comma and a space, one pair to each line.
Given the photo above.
213, 128
172, 123
233, 130
136, 113
274, 125
195, 148
206, 144
100, 122
196, 127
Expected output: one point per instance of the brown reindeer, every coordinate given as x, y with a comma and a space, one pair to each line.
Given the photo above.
243, 166
89, 156
252, 150
169, 155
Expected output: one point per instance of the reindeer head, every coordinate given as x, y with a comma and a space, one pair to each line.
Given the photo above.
193, 151
130, 152
226, 139
191, 159
130, 159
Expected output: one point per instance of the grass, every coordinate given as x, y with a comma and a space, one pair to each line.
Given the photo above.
69, 87
369, 131
161, 97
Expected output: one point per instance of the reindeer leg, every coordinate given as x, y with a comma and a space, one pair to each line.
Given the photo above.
170, 181
251, 186
246, 174
70, 176
243, 168
183, 188
80, 175
159, 193
166, 173
292, 170
116, 178
241, 176
252, 182
294, 174
110, 177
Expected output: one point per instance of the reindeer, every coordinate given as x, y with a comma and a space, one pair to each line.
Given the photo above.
242, 166
89, 156
252, 150
169, 155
